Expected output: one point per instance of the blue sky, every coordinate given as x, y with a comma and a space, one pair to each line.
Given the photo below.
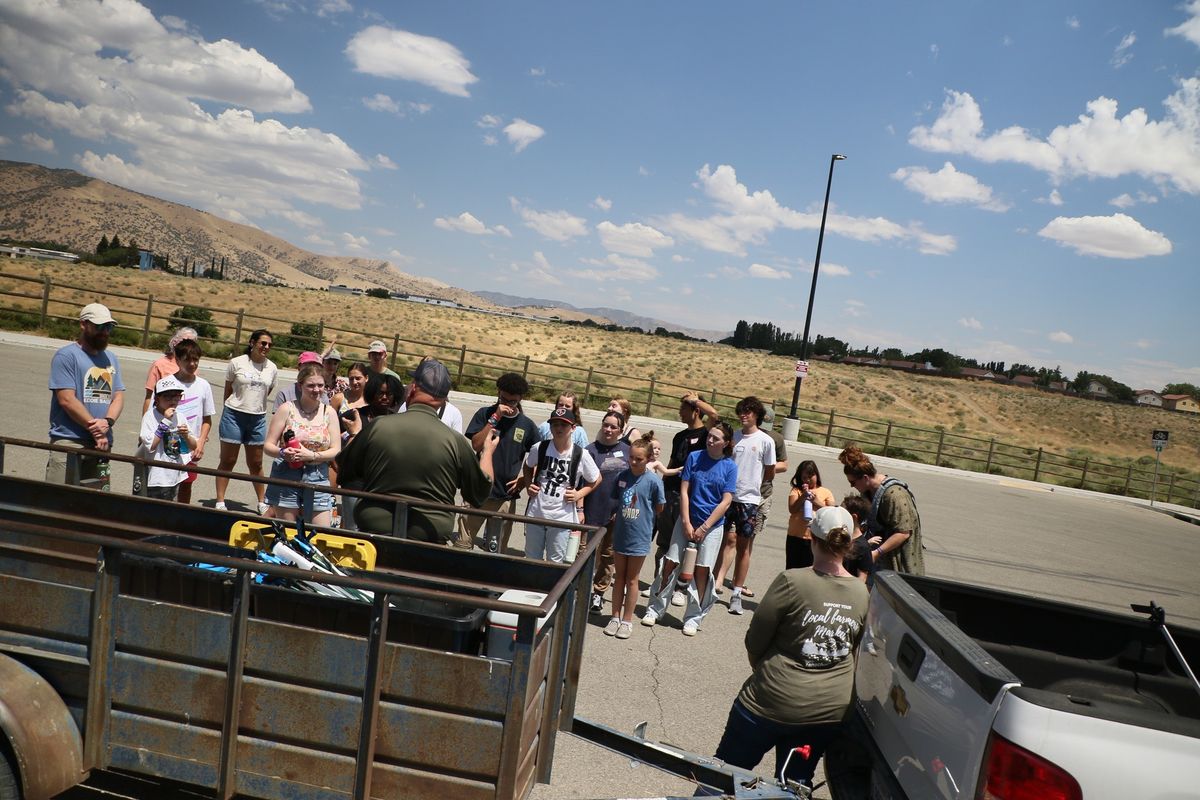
1021, 181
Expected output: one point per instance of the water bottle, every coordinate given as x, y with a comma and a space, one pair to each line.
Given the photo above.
688, 567
183, 445
808, 506
289, 441
573, 541
103, 474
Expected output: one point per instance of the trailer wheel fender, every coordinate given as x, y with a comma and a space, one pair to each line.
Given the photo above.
42, 738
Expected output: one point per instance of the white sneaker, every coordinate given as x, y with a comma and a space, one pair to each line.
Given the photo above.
625, 630
678, 600
690, 627
262, 508
611, 628
649, 618
645, 592
220, 506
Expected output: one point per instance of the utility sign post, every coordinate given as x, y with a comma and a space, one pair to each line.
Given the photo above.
1159, 439
801, 369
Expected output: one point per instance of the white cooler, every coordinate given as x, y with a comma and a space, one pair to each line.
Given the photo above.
502, 625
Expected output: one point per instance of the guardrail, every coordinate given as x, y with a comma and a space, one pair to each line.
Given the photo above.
146, 320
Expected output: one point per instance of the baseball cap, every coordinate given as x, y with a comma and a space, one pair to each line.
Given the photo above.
768, 415
309, 357
563, 415
168, 384
333, 355
828, 519
432, 376
377, 347
96, 313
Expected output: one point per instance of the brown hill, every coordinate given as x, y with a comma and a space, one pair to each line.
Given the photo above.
61, 205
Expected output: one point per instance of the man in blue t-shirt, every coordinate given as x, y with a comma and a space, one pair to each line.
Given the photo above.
86, 396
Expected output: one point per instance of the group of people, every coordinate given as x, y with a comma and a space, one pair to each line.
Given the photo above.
700, 510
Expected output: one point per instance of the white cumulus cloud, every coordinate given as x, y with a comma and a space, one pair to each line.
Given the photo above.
1099, 144
352, 242
1126, 200
35, 142
1190, 28
770, 273
1116, 236
832, 270
467, 222
1053, 199
381, 102
746, 218
385, 162
489, 121
1062, 337
559, 226
602, 203
632, 239
1121, 53
521, 134
392, 53
970, 323
616, 267
948, 185
186, 113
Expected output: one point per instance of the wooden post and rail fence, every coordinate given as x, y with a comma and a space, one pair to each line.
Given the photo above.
145, 321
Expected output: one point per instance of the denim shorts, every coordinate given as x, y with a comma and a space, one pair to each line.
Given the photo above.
316, 475
239, 427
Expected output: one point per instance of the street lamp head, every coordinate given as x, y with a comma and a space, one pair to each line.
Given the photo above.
838, 157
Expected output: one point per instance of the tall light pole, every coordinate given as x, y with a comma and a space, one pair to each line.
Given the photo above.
792, 423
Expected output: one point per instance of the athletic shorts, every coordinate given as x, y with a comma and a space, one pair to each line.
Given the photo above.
743, 518
239, 427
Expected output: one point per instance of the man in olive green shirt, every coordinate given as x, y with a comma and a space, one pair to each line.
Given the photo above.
415, 455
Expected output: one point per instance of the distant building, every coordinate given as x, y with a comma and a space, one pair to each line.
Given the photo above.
1097, 389
1181, 402
1059, 386
1148, 397
38, 252
976, 374
1024, 380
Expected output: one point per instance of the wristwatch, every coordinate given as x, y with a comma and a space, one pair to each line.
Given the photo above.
110, 421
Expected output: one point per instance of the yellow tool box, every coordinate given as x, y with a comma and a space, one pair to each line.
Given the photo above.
341, 550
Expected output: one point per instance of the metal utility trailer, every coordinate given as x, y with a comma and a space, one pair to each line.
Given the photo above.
131, 661
121, 661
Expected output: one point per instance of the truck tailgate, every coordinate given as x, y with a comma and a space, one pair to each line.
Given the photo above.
927, 692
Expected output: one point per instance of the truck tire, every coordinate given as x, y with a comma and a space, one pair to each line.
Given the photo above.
10, 788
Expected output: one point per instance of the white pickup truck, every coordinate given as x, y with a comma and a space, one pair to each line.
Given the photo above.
965, 692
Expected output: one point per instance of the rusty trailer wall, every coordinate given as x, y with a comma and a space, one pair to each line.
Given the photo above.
235, 689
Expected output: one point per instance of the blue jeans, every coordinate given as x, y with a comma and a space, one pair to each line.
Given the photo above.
748, 737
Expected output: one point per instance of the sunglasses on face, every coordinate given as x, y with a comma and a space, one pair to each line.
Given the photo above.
106, 327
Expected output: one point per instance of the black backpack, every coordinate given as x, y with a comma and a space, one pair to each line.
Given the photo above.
572, 472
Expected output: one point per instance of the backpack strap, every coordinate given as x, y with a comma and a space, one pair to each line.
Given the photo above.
576, 457
873, 517
543, 459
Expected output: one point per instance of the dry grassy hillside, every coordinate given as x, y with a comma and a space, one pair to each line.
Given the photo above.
1018, 416
41, 204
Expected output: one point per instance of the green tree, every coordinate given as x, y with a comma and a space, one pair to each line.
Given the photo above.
104, 245
115, 243
379, 292
194, 317
1182, 388
303, 336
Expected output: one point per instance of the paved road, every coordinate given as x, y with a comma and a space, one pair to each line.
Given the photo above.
1080, 547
